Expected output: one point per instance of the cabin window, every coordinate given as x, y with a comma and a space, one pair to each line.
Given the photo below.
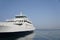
27, 21
19, 20
21, 17
19, 24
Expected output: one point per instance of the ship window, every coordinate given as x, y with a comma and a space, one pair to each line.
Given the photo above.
21, 20
20, 16
19, 24
27, 21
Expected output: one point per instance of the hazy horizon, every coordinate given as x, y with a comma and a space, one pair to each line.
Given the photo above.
45, 14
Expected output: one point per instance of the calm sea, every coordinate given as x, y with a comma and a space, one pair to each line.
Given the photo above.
39, 34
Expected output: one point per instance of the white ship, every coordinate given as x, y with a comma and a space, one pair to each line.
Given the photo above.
18, 24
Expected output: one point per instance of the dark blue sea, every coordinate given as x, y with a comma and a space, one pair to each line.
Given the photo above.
39, 34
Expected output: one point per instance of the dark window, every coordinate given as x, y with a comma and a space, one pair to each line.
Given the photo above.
27, 21
19, 24
21, 17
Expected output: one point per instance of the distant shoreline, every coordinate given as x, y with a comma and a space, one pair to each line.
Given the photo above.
47, 29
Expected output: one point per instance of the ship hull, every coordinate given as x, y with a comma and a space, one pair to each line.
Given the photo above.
11, 27
15, 34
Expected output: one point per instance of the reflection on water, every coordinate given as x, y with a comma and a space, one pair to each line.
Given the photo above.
26, 36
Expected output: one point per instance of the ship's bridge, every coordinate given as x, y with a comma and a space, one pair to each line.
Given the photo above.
20, 17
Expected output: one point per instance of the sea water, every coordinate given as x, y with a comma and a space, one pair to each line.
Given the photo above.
47, 34
39, 34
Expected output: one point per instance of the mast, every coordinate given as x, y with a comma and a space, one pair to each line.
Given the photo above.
21, 13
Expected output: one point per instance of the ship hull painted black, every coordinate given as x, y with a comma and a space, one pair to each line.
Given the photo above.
15, 34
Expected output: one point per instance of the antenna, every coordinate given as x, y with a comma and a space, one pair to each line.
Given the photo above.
21, 13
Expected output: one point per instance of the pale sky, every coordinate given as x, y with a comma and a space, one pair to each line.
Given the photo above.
43, 13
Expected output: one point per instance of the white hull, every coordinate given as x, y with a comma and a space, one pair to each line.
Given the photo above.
10, 27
